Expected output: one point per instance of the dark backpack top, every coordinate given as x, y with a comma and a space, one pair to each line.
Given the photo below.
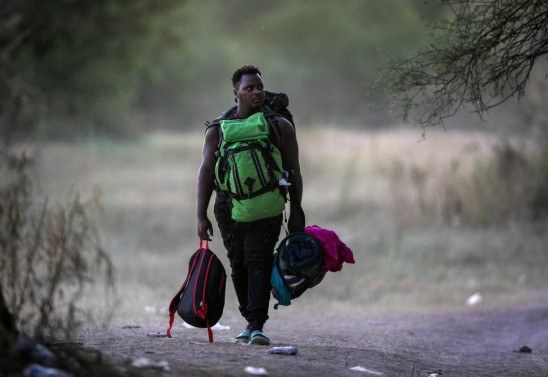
274, 104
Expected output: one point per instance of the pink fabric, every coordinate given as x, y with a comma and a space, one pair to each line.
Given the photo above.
335, 251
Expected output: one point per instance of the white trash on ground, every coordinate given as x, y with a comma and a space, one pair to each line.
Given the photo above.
217, 326
145, 362
157, 334
284, 350
151, 309
475, 299
255, 371
359, 368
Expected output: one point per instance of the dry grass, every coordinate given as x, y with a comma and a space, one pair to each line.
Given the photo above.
372, 188
50, 254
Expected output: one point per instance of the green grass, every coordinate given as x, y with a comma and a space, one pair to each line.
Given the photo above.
354, 184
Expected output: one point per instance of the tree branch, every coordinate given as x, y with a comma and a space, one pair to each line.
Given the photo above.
483, 57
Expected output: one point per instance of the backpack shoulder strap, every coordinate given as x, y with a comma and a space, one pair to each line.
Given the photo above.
274, 132
228, 113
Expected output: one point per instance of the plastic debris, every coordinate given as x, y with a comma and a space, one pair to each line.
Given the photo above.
525, 349
359, 368
217, 326
145, 362
157, 334
255, 371
151, 309
285, 350
130, 327
37, 370
475, 299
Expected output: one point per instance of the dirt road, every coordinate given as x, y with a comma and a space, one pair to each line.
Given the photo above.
470, 342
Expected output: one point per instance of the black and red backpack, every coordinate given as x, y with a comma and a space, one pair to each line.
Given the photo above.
201, 299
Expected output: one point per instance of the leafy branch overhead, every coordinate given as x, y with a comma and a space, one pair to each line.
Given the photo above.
481, 57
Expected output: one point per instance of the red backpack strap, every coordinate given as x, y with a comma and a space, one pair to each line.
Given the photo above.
175, 300
202, 312
209, 333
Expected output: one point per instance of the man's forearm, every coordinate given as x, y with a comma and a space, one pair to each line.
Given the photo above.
296, 190
204, 191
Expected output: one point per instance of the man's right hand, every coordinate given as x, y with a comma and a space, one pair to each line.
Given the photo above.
205, 229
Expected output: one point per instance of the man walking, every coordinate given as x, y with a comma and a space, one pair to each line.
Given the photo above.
249, 244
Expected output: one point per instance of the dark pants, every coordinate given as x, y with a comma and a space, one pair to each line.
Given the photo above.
250, 247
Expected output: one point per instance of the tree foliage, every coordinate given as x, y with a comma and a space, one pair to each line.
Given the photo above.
67, 58
482, 56
83, 67
50, 255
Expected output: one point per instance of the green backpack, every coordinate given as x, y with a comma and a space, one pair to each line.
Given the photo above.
249, 168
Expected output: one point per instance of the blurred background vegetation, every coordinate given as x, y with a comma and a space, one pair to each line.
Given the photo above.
78, 68
112, 67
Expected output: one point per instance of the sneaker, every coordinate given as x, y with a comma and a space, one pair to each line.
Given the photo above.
243, 337
259, 339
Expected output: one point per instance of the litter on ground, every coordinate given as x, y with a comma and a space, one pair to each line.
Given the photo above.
254, 371
359, 368
145, 362
217, 326
475, 299
157, 334
285, 350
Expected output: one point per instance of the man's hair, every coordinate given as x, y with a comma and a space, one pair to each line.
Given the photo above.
245, 70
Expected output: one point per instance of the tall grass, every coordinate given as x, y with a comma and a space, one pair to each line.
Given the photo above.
49, 254
508, 185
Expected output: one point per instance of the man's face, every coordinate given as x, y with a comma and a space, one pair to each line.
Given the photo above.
250, 91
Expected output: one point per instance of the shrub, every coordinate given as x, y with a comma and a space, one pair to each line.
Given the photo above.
510, 185
49, 254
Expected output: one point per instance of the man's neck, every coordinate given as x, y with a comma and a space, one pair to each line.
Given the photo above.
246, 112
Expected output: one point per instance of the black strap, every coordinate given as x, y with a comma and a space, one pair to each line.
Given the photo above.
251, 145
227, 114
